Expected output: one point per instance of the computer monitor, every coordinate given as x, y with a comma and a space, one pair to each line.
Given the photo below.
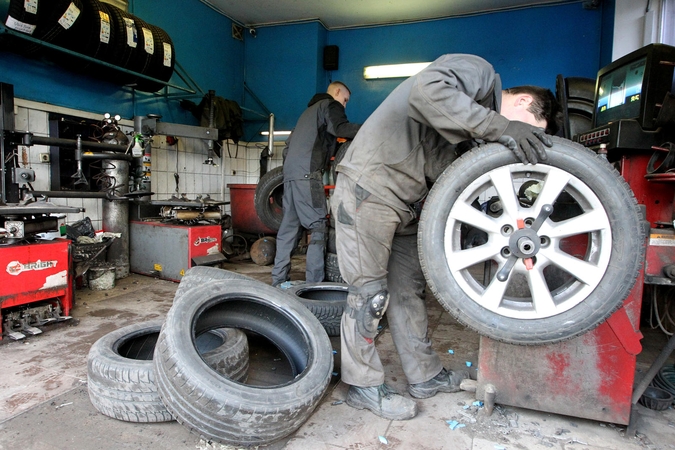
634, 86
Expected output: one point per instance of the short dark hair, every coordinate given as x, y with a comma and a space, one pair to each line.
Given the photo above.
544, 106
341, 84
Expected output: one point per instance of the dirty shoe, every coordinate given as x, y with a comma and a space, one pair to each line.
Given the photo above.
445, 381
383, 401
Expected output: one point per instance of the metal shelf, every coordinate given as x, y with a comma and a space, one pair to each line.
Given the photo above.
183, 76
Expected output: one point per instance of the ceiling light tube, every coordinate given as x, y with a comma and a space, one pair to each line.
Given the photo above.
276, 133
393, 70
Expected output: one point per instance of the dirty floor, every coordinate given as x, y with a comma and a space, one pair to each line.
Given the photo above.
44, 402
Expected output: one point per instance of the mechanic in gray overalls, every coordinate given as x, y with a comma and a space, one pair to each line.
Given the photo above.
409, 140
307, 152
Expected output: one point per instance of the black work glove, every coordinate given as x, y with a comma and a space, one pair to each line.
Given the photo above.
526, 141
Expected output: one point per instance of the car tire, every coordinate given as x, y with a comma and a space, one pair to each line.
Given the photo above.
201, 275
268, 199
325, 300
120, 373
223, 410
332, 268
592, 283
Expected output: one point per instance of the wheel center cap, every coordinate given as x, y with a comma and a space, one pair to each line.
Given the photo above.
524, 243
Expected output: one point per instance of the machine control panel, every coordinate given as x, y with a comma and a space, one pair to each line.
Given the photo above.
599, 136
622, 134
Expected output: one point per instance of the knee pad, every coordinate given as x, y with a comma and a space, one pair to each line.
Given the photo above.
370, 312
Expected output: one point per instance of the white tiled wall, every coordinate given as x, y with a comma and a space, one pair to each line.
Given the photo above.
239, 165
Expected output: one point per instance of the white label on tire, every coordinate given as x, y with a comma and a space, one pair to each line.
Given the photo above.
17, 25
148, 41
105, 28
70, 16
132, 34
167, 55
30, 6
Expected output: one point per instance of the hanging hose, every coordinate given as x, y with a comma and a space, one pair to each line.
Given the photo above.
664, 321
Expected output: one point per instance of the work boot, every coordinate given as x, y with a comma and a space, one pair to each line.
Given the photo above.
445, 381
383, 401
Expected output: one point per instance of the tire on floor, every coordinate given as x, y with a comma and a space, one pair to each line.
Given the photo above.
223, 410
120, 373
325, 300
200, 275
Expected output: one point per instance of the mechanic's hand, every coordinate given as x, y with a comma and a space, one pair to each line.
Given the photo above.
526, 141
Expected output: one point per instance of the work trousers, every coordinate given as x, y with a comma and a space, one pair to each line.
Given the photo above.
304, 206
377, 245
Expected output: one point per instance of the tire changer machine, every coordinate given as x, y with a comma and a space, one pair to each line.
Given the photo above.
37, 279
592, 376
36, 276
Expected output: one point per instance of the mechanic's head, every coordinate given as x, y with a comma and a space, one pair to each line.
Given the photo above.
340, 92
534, 105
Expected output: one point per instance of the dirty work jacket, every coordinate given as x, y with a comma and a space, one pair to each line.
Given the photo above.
312, 142
410, 137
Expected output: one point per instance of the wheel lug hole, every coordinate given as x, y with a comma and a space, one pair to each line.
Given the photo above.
507, 230
529, 221
506, 252
545, 241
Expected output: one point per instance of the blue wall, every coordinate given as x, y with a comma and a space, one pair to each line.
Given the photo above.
527, 46
281, 68
203, 46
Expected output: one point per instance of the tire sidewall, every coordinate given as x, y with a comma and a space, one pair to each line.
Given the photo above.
179, 325
106, 349
268, 184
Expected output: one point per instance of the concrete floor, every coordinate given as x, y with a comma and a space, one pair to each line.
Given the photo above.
44, 402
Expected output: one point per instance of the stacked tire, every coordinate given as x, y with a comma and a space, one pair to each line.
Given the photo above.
268, 198
219, 407
96, 30
121, 380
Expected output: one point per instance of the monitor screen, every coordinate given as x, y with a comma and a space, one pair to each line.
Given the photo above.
619, 93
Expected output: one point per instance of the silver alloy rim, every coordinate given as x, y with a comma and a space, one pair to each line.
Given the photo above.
533, 293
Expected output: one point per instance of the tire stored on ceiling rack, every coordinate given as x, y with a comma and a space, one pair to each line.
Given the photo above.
98, 30
161, 62
566, 235
44, 20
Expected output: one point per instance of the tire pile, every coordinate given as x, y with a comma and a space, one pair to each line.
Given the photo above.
98, 30
193, 367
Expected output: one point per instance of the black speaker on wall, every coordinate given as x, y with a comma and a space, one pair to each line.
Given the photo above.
331, 55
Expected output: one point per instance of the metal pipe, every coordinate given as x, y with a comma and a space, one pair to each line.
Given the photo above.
192, 215
270, 138
69, 194
72, 143
212, 115
127, 158
116, 217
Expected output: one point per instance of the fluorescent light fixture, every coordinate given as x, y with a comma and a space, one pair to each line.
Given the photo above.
393, 70
276, 133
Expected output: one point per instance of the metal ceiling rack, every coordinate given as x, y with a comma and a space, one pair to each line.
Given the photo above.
192, 85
